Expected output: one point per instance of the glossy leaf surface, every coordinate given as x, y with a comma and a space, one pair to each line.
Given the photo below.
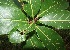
10, 17
32, 7
59, 19
34, 43
50, 38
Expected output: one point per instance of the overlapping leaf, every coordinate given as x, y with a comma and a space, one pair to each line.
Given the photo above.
32, 7
50, 38
11, 17
34, 43
55, 4
15, 36
54, 14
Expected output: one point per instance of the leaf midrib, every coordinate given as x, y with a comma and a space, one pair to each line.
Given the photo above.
43, 33
13, 20
56, 20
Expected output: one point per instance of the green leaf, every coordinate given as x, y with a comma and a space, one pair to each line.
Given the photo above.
16, 37
33, 43
59, 19
50, 38
32, 7
59, 4
25, 27
10, 17
54, 14
56, 4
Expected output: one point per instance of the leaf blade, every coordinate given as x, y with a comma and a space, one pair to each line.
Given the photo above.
59, 19
32, 7
12, 17
33, 43
47, 36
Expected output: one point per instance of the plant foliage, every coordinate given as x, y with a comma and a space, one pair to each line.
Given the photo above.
29, 20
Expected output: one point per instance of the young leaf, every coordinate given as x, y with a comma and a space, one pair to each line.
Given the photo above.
50, 39
16, 37
32, 7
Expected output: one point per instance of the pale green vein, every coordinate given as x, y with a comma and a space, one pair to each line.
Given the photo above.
19, 0
30, 25
41, 13
12, 20
31, 42
31, 8
55, 20
43, 33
